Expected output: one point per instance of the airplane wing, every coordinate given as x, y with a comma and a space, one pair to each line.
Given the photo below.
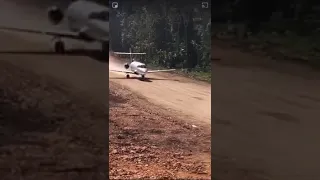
165, 70
126, 53
129, 72
70, 35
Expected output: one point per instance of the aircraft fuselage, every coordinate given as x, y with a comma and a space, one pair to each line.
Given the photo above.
138, 68
89, 19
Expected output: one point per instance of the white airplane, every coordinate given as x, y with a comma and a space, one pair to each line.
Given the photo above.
135, 67
87, 21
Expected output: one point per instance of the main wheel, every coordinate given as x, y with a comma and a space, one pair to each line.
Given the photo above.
104, 51
105, 48
59, 47
128, 76
142, 76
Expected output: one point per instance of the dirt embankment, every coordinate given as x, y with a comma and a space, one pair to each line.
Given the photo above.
47, 132
148, 142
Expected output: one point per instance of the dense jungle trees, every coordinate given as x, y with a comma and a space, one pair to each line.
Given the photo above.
172, 34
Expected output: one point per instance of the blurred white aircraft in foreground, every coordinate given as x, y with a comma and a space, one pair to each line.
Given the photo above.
87, 21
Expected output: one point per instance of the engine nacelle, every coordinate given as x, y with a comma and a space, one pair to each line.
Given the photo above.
55, 15
126, 65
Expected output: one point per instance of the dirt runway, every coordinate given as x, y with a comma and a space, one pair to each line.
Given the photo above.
190, 98
169, 141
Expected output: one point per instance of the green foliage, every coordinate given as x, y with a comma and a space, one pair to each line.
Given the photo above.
286, 30
171, 37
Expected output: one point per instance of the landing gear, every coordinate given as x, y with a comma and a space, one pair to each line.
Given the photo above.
58, 46
105, 48
128, 76
142, 76
104, 56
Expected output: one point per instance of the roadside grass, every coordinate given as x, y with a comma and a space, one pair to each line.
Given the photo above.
198, 75
192, 73
289, 47
286, 46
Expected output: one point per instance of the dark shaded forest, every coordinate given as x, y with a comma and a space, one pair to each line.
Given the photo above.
288, 29
174, 34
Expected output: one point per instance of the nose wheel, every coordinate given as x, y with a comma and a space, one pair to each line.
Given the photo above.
142, 76
58, 46
128, 76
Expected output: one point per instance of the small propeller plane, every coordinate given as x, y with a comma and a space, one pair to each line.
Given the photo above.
136, 67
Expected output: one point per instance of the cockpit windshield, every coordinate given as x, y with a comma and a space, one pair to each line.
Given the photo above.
102, 16
142, 66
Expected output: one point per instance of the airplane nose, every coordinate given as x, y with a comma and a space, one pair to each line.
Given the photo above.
143, 70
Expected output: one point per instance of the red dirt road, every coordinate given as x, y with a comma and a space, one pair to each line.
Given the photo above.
185, 96
169, 142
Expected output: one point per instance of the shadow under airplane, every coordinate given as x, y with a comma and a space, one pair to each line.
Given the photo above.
94, 54
146, 79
